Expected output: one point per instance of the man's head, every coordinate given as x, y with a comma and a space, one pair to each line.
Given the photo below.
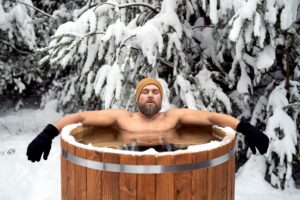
149, 96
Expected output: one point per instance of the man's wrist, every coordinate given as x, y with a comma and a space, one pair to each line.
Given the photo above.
50, 131
243, 127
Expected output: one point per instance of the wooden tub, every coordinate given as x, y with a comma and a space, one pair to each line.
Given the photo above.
91, 173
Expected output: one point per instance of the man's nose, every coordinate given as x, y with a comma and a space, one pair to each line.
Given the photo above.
150, 94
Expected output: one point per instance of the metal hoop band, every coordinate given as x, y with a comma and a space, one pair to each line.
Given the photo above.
147, 169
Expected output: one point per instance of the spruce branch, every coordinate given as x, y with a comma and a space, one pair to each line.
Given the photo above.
166, 63
6, 127
123, 43
42, 50
74, 35
60, 44
294, 106
12, 46
154, 9
35, 8
204, 26
148, 16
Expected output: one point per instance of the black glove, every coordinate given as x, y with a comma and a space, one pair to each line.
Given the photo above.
254, 137
42, 144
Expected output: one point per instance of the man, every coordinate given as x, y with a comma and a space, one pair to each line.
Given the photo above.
148, 118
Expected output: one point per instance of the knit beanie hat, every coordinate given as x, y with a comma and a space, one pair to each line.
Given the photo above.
144, 82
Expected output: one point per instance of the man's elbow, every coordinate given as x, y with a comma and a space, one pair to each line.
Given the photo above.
81, 118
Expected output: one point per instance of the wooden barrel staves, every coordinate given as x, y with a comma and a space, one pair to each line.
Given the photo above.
98, 173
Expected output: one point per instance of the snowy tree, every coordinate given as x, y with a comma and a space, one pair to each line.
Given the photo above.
16, 35
239, 57
24, 26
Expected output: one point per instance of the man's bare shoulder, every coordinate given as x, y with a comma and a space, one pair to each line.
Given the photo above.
183, 112
108, 112
175, 111
119, 112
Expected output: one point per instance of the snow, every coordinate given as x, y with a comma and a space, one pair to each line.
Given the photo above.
3, 19
114, 85
18, 20
282, 131
245, 12
100, 78
185, 93
213, 11
92, 50
22, 179
78, 27
154, 40
211, 89
284, 147
257, 24
289, 13
166, 95
271, 12
250, 183
19, 85
89, 87
244, 83
266, 58
226, 5
248, 33
208, 44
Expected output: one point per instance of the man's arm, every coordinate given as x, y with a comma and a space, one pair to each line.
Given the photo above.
42, 143
91, 118
199, 117
253, 136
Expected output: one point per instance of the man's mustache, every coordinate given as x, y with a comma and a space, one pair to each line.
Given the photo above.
150, 101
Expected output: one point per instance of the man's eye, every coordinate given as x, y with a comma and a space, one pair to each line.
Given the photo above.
145, 91
155, 91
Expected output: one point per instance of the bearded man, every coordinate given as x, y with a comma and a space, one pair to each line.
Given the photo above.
149, 95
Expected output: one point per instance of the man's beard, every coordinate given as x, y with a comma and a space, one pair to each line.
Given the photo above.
149, 110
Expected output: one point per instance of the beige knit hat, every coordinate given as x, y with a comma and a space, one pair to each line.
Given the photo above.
144, 82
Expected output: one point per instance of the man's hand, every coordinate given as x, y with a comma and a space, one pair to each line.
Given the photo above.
42, 144
254, 137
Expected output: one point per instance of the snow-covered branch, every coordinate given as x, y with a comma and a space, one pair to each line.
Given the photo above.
12, 46
76, 36
31, 6
293, 106
149, 6
154, 9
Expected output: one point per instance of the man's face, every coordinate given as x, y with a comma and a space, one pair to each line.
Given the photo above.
149, 102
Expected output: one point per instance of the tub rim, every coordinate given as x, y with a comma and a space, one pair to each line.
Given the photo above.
228, 138
146, 169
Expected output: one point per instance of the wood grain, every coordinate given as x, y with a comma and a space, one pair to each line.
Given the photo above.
71, 175
146, 182
128, 181
64, 170
199, 178
110, 180
183, 180
165, 182
94, 177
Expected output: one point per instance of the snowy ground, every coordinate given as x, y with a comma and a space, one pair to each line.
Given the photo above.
21, 179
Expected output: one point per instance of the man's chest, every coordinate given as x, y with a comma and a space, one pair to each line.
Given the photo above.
135, 125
